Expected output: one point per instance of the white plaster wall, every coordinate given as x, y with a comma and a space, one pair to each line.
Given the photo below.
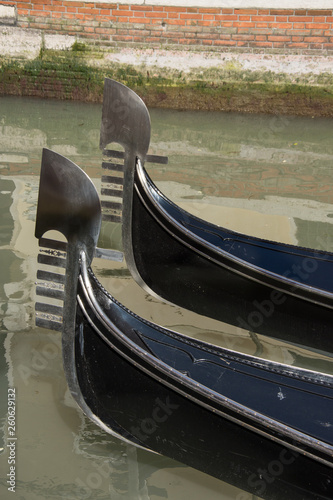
262, 4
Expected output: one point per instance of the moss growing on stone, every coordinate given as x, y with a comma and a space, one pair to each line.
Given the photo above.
79, 74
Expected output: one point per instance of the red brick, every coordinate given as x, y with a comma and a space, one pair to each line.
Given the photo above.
209, 11
58, 9
68, 15
160, 15
277, 38
243, 37
298, 19
237, 24
139, 32
105, 5
191, 16
71, 4
153, 39
225, 42
211, 24
297, 45
122, 13
284, 26
105, 31
248, 12
261, 44
24, 5
316, 39
319, 26
259, 19
281, 12
124, 19
141, 7
204, 36
319, 19
186, 41
139, 20
226, 18
179, 22
38, 13
312, 12
175, 9
122, 38
173, 34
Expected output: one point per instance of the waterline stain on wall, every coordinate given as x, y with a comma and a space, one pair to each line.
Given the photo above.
78, 73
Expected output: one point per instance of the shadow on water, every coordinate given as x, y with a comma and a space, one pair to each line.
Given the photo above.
269, 176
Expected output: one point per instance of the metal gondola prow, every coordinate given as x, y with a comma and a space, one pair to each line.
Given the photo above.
125, 119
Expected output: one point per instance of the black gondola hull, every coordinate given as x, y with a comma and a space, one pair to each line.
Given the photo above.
177, 273
150, 408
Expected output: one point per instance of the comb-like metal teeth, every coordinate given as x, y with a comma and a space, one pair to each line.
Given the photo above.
113, 183
113, 153
51, 260
50, 284
47, 291
112, 205
110, 179
116, 167
117, 193
112, 218
50, 276
112, 186
50, 309
149, 158
53, 244
49, 324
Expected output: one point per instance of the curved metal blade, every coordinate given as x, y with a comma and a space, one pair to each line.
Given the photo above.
125, 119
68, 202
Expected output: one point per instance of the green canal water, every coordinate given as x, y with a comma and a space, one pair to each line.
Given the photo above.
267, 176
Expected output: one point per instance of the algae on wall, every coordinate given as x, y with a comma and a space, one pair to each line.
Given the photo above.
79, 74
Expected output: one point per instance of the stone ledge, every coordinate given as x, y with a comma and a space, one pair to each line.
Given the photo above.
8, 15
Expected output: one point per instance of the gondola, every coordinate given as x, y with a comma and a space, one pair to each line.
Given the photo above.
263, 426
272, 288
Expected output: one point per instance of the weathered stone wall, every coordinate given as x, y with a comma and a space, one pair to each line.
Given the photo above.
155, 24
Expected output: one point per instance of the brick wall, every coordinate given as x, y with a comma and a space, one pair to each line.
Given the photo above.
239, 29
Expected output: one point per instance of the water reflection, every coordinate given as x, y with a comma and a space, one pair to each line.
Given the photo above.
263, 175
